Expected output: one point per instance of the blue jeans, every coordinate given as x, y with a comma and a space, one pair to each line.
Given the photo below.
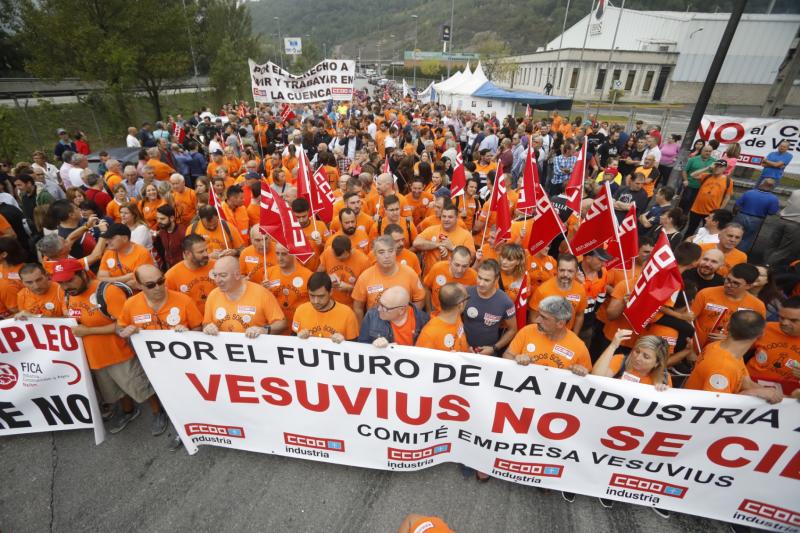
751, 225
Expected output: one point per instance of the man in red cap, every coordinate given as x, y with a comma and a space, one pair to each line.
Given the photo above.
116, 369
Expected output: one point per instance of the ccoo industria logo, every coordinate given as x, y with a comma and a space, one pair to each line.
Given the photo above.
318, 443
653, 486
235, 432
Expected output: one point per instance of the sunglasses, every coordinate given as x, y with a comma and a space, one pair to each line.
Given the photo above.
154, 284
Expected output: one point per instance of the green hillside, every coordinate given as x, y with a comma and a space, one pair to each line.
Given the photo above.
523, 24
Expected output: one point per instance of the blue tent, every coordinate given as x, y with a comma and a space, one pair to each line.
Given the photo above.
538, 101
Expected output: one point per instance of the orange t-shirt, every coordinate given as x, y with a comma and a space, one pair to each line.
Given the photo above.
562, 354
256, 307
431, 524
363, 222
112, 180
617, 275
290, 290
458, 236
251, 262
541, 269
338, 319
196, 284
440, 335
717, 370
404, 335
49, 304
440, 274
112, 210
419, 206
215, 239
709, 305
119, 264
371, 283
670, 335
358, 240
711, 193
239, 219
346, 271
409, 230
10, 285
776, 354
177, 310
161, 170
511, 286
632, 375
576, 295
732, 258
101, 350
320, 227
611, 326
185, 206
148, 209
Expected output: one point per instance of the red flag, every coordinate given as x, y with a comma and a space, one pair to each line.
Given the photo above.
499, 206
322, 198
214, 202
286, 113
660, 279
628, 242
546, 223
386, 168
530, 175
386, 93
242, 110
179, 133
574, 188
459, 181
279, 222
598, 227
521, 304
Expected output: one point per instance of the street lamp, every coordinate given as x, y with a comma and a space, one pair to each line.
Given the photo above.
416, 25
280, 38
392, 37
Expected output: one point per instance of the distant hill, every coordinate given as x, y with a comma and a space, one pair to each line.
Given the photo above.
523, 24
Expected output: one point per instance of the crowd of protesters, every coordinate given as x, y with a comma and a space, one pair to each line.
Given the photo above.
123, 246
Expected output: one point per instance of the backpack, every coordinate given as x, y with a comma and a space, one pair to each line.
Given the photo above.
100, 296
222, 223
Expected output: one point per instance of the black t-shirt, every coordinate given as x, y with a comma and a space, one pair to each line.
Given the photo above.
691, 277
594, 140
605, 151
626, 195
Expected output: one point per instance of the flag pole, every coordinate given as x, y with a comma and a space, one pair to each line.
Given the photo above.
489, 210
221, 219
619, 244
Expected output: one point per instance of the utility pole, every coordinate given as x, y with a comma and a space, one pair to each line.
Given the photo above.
787, 73
416, 26
610, 56
563, 30
708, 88
280, 38
580, 61
452, 16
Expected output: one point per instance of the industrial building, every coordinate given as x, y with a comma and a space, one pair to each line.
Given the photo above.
659, 56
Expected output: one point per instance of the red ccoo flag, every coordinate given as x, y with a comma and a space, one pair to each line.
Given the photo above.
546, 223
660, 279
530, 175
278, 221
499, 205
459, 181
521, 303
598, 227
315, 188
179, 133
628, 243
528, 111
286, 113
574, 188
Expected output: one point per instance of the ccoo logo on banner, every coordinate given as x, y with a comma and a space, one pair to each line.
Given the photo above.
45, 384
728, 457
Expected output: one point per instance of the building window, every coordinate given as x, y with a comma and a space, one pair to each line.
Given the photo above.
648, 81
560, 77
548, 73
617, 74
573, 81
489, 103
601, 79
629, 80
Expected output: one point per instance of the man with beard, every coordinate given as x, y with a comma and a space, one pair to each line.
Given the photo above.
392, 206
322, 316
192, 276
349, 228
170, 235
565, 285
705, 274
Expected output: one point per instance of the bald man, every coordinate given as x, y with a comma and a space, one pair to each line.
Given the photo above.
184, 198
394, 320
705, 274
375, 201
240, 305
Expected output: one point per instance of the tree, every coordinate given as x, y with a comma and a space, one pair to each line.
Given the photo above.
229, 73
125, 45
311, 56
430, 67
491, 52
215, 21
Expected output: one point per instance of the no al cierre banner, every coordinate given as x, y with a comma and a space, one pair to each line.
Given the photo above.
723, 456
45, 384
331, 79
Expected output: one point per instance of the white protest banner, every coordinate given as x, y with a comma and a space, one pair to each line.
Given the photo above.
729, 457
45, 383
758, 137
331, 79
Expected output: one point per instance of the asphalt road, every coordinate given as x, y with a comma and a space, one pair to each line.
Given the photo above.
62, 482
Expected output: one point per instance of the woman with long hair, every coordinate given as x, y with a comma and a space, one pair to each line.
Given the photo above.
512, 270
765, 289
671, 222
76, 196
130, 215
150, 201
468, 204
202, 185
731, 156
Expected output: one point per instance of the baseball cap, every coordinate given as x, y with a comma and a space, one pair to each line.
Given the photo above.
720, 163
61, 130
117, 229
600, 254
217, 152
65, 269
252, 176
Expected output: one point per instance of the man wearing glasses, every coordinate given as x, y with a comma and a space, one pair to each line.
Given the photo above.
713, 307
156, 307
393, 320
445, 331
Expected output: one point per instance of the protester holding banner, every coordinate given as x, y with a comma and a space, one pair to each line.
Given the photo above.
394, 320
322, 316
564, 285
40, 297
489, 316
